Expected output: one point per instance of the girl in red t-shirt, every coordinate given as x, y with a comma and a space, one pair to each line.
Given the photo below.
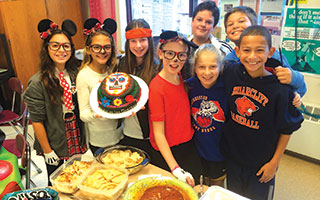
171, 132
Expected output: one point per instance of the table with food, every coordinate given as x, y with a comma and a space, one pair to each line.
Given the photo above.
124, 172
119, 172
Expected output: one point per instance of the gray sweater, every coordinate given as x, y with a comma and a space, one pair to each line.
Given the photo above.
51, 115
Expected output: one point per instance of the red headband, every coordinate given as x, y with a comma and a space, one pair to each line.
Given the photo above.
138, 33
96, 27
45, 34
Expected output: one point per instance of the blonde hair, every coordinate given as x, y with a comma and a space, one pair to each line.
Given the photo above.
87, 59
206, 48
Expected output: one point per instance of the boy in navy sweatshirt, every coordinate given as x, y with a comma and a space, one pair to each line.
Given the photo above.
260, 120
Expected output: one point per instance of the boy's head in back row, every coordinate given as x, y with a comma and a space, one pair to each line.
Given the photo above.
238, 19
204, 18
255, 47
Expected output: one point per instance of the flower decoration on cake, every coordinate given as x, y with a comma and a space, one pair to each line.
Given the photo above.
105, 102
129, 98
121, 89
117, 102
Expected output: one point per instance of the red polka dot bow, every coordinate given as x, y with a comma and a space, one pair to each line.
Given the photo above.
66, 91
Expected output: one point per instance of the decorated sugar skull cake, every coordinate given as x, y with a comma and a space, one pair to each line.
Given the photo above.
118, 93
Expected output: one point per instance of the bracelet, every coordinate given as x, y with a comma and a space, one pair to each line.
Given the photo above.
174, 168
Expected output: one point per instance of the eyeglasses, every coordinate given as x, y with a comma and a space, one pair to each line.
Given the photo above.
96, 48
55, 46
168, 54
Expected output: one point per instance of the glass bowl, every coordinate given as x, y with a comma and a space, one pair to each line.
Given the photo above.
69, 187
131, 158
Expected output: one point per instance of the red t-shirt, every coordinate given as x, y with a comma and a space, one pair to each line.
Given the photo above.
170, 103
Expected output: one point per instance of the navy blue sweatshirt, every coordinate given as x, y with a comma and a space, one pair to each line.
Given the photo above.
260, 109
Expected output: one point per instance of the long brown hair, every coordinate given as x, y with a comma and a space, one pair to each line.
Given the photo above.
130, 62
47, 69
87, 59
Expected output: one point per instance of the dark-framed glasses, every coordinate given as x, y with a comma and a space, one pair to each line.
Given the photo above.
55, 46
96, 48
168, 54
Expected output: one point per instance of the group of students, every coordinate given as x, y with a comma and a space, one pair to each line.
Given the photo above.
212, 110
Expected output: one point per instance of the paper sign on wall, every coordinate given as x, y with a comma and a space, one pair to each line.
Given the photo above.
305, 39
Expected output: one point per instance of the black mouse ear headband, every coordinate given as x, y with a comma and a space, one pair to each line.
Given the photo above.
173, 36
110, 25
46, 27
92, 25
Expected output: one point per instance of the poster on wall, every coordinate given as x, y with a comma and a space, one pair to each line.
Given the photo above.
273, 24
250, 3
271, 7
163, 14
305, 39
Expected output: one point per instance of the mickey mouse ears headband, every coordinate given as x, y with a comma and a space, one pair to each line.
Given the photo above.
46, 27
173, 36
92, 25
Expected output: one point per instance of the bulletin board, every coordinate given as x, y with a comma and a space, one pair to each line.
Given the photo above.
273, 24
301, 45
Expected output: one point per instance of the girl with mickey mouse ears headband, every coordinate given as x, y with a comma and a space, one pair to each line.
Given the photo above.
51, 96
98, 62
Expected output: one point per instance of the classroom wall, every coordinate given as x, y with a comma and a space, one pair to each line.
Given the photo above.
19, 20
305, 141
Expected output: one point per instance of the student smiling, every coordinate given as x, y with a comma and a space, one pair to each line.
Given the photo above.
139, 61
171, 131
99, 61
256, 133
241, 17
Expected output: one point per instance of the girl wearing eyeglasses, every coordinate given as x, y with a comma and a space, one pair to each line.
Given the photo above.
98, 62
51, 97
139, 61
171, 131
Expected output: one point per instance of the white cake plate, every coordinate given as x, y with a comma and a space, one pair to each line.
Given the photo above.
142, 101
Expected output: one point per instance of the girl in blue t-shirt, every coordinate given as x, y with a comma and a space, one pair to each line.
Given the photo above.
208, 105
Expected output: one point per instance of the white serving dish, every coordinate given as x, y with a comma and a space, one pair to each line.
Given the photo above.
219, 193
